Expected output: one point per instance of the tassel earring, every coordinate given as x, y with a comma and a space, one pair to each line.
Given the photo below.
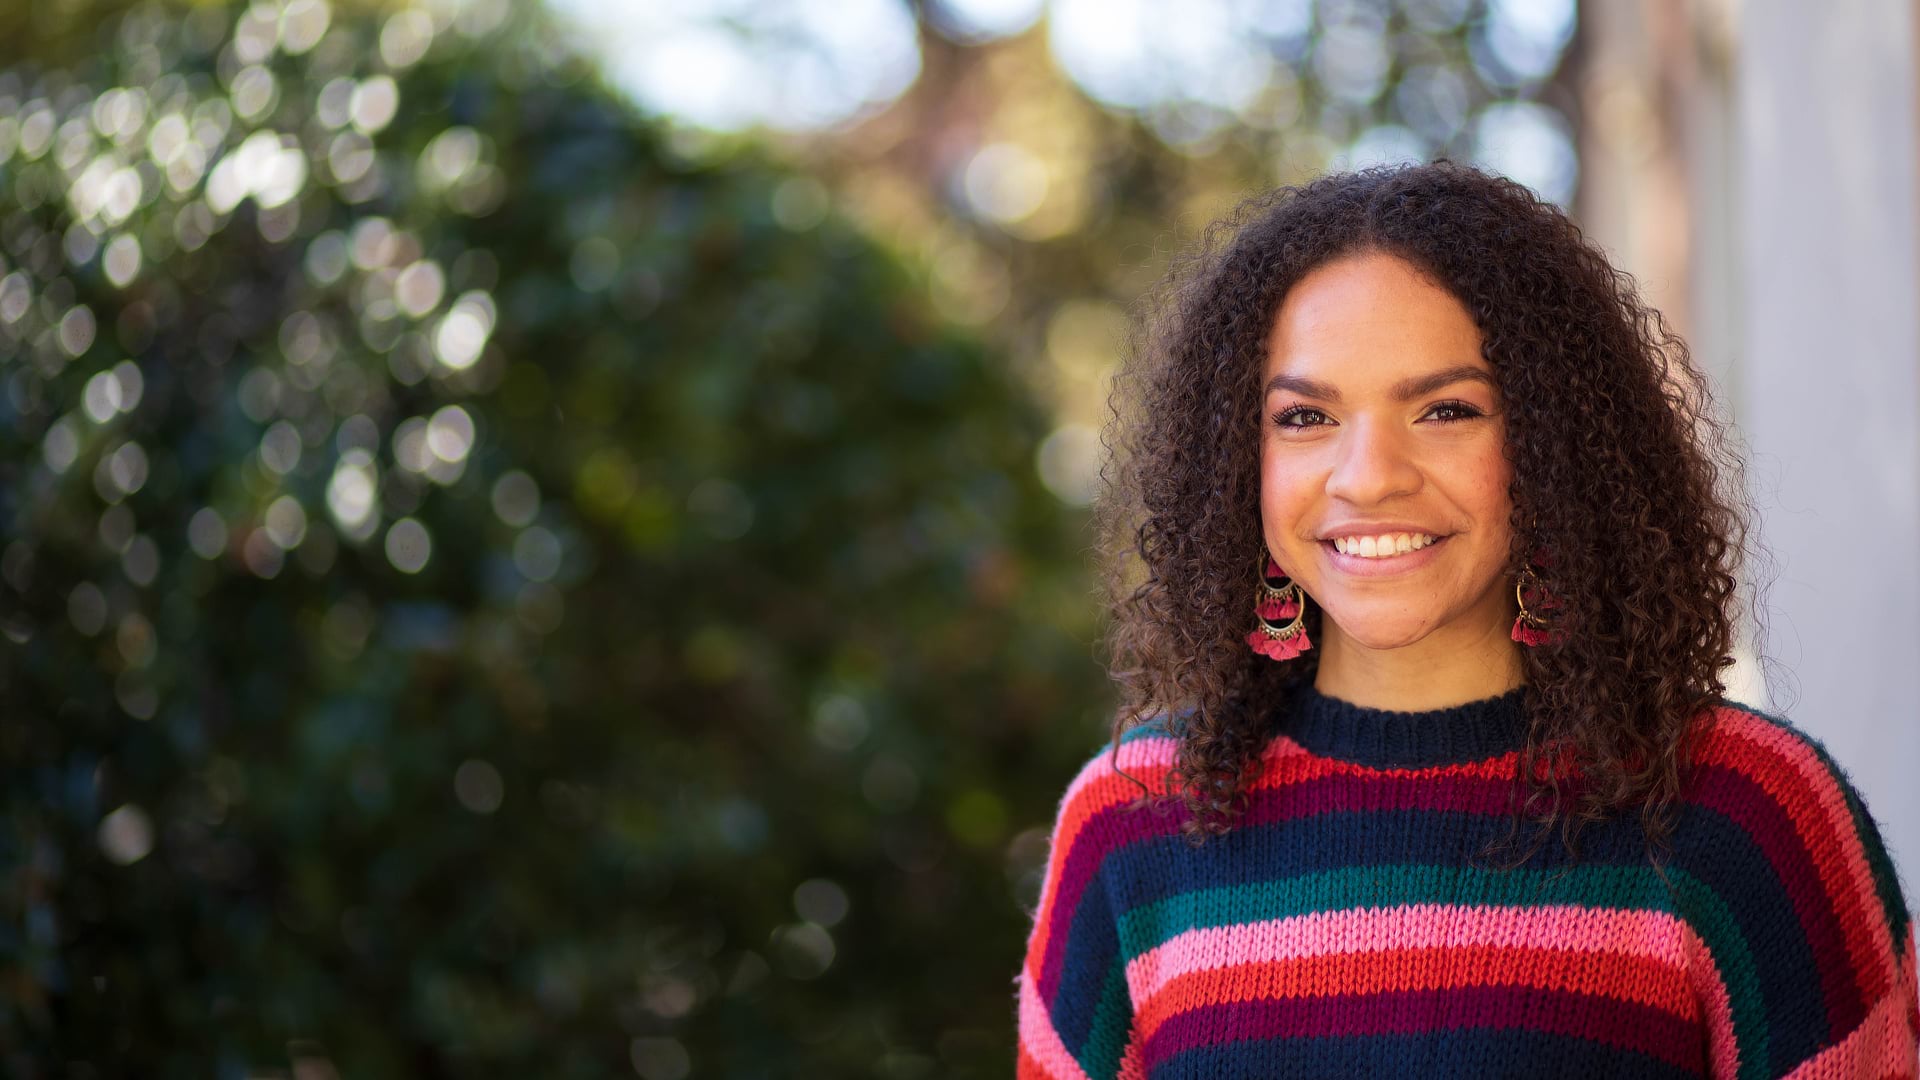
1531, 627
1280, 606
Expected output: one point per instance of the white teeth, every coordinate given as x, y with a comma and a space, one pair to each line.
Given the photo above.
1377, 547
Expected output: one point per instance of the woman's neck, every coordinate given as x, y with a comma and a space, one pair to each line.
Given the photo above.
1452, 665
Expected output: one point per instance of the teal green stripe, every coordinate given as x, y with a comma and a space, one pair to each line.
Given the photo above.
1710, 919
1112, 1023
1159, 726
1149, 925
1886, 882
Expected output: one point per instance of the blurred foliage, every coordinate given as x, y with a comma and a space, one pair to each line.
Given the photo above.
495, 582
485, 593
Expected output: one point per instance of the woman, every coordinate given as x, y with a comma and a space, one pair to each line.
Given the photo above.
1419, 532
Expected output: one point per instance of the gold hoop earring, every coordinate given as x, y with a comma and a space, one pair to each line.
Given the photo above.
1530, 626
1282, 613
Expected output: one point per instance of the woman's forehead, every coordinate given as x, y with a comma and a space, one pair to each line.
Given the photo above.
1370, 318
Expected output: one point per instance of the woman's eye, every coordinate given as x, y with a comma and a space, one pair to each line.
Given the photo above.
1460, 410
1287, 418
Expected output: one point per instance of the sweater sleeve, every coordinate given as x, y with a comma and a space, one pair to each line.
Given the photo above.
1075, 1014
1801, 942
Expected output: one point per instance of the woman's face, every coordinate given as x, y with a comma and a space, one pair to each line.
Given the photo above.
1382, 420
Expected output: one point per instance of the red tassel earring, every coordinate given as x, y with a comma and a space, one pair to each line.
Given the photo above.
1282, 612
1531, 627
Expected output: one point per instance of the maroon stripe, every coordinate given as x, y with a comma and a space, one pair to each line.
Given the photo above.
1729, 791
1611, 1021
1090, 846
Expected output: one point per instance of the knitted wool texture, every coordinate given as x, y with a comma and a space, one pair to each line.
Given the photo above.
1345, 928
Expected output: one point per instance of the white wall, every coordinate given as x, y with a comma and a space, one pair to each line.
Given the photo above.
1826, 380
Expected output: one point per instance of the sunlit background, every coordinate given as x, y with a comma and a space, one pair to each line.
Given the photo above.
554, 539
1032, 157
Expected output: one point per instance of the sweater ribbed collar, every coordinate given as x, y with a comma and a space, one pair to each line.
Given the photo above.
1392, 738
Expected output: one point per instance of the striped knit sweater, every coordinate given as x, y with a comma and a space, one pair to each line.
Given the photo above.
1343, 928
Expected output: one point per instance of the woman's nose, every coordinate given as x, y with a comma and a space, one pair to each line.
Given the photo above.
1373, 463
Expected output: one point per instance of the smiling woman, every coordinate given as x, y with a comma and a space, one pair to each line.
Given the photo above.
1420, 526
1386, 431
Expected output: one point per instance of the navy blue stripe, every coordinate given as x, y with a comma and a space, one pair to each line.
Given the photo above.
1093, 942
1725, 858
1385, 738
1152, 870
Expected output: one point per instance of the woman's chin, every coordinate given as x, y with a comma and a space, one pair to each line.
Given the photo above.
1385, 632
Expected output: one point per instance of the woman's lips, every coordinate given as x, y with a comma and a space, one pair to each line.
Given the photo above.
1382, 565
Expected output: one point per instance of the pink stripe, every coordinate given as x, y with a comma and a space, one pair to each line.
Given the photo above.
1145, 752
1649, 934
1039, 1039
1715, 1004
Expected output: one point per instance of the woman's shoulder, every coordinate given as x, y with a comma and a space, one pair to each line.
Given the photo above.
1787, 881
1122, 768
1742, 747
1772, 751
1767, 782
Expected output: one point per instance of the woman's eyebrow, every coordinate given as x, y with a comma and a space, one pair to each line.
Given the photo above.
1405, 390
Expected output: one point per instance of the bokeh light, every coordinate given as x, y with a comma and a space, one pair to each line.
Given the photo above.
730, 64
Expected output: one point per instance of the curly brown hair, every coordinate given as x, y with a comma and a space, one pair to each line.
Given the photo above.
1621, 468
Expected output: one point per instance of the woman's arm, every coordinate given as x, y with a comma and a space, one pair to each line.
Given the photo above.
1074, 1012
1802, 940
